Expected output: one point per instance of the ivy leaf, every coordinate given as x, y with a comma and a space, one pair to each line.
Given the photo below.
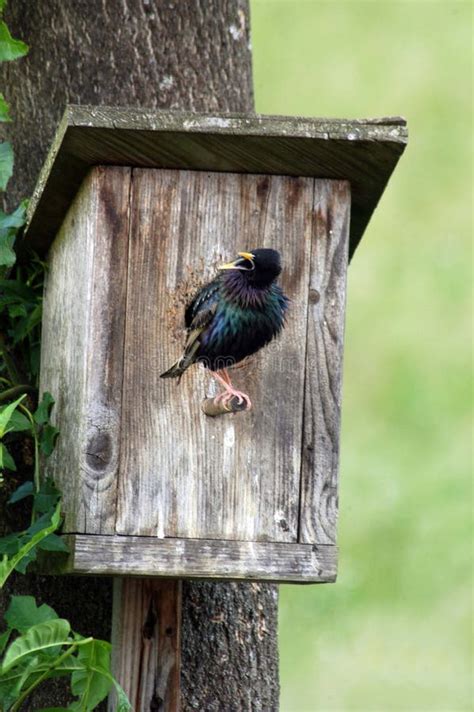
49, 435
24, 490
10, 543
47, 497
9, 47
8, 564
23, 613
6, 163
6, 460
41, 414
4, 109
40, 524
53, 542
39, 638
26, 560
14, 220
6, 412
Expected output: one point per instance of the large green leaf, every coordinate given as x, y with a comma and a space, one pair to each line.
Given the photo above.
23, 613
9, 47
6, 163
39, 638
6, 412
93, 683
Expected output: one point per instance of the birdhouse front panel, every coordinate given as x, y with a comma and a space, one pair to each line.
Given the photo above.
148, 461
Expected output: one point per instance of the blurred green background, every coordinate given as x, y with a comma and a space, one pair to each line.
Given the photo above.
395, 632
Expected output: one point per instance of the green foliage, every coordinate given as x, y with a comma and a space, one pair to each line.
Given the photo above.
37, 645
10, 48
18, 550
44, 647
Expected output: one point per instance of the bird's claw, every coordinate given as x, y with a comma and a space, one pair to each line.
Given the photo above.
226, 397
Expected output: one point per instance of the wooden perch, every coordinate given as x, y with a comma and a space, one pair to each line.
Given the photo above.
213, 409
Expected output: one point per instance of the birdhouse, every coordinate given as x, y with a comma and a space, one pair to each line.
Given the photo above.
134, 211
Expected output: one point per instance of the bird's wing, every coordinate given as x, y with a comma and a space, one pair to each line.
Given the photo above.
199, 324
204, 299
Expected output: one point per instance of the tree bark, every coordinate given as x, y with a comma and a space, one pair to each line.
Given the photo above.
192, 55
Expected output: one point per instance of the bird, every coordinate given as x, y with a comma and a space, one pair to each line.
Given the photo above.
235, 315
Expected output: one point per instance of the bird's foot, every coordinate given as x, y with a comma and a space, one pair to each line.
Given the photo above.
226, 396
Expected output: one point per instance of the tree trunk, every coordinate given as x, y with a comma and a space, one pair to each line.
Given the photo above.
192, 55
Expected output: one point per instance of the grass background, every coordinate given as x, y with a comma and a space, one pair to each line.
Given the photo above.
395, 632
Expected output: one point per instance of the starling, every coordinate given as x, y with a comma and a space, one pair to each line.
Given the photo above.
232, 317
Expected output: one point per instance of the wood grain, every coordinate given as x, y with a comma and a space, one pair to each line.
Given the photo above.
82, 347
325, 337
182, 474
195, 558
146, 626
363, 152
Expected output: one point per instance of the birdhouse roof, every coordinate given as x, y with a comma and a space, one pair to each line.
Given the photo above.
362, 151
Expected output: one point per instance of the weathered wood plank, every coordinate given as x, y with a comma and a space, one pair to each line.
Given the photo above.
363, 152
325, 336
198, 558
82, 347
146, 626
183, 474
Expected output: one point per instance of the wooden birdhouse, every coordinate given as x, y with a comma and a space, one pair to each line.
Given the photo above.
135, 210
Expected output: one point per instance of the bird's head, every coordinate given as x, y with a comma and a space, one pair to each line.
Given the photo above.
259, 267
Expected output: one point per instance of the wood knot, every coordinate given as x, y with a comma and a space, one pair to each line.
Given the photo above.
99, 451
314, 296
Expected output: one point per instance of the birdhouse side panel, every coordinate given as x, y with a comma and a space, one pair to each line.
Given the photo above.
324, 354
183, 474
82, 347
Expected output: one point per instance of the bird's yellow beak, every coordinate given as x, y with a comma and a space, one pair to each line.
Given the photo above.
234, 264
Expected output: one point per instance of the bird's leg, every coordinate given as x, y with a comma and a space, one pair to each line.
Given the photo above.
230, 392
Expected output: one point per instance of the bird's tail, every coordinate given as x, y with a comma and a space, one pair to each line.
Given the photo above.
176, 370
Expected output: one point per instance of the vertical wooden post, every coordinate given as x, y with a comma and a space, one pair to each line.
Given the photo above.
146, 631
